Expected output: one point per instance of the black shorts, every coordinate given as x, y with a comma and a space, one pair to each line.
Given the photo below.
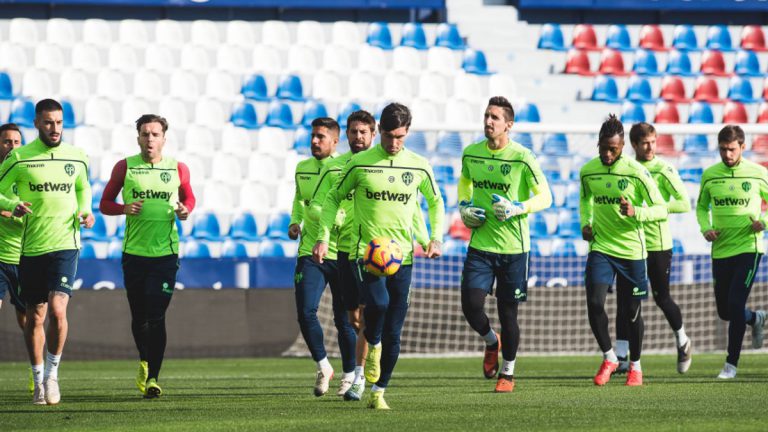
9, 281
350, 284
150, 275
602, 269
42, 274
509, 270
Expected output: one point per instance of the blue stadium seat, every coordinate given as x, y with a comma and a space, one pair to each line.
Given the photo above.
87, 251
694, 144
278, 226
379, 35
255, 87
474, 62
454, 247
677, 247
685, 38
290, 88
99, 230
312, 110
68, 114
448, 36
740, 90
22, 112
417, 142
552, 175
179, 229
679, 63
632, 112
639, 90
207, 227
524, 139
444, 174
6, 86
551, 37
344, 112
605, 89
555, 144
115, 249
302, 141
196, 249
234, 249
572, 199
244, 116
538, 226
701, 113
535, 249
412, 35
646, 63
120, 233
747, 64
618, 38
271, 248
527, 113
569, 227
97, 189
564, 249
719, 38
279, 115
449, 144
244, 227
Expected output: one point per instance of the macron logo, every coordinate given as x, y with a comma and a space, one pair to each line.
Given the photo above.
731, 202
50, 187
151, 194
388, 196
607, 200
486, 184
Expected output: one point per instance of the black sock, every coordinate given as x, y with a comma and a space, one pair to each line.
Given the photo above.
156, 346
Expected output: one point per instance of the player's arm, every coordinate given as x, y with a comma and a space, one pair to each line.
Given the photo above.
108, 205
436, 209
83, 194
187, 199
420, 232
674, 185
297, 214
703, 213
472, 216
537, 182
328, 176
585, 210
763, 191
656, 208
7, 180
343, 185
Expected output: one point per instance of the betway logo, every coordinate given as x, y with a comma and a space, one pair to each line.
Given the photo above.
607, 200
731, 202
486, 184
388, 196
50, 187
151, 194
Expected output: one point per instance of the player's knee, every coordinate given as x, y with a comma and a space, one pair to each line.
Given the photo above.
307, 315
722, 312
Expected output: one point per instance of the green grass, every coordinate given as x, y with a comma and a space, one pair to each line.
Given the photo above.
552, 393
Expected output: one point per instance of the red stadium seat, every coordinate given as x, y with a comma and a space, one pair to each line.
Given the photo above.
651, 38
765, 89
760, 144
666, 112
762, 113
707, 90
673, 89
584, 37
753, 38
713, 63
665, 145
735, 112
577, 63
612, 63
459, 231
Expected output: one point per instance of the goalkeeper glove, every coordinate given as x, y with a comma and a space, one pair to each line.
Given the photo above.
504, 209
472, 217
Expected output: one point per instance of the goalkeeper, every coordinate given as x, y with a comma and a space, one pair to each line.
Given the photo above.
502, 178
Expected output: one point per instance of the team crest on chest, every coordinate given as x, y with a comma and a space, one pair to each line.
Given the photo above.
407, 178
746, 186
506, 169
623, 183
391, 179
69, 169
165, 176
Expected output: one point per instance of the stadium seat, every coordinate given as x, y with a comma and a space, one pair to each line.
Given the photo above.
555, 144
701, 112
564, 248
362, 85
183, 85
707, 90
735, 112
584, 38
234, 249
449, 144
632, 112
98, 32
290, 88
577, 62
760, 144
527, 112
204, 33
538, 225
652, 38
111, 85
311, 34
271, 248
372, 59
279, 115
244, 227
232, 59
68, 114
99, 230
524, 139
618, 38
147, 84
276, 33
535, 250
312, 110
679, 63
713, 63
196, 249
13, 58
639, 90
460, 112
673, 89
458, 230
645, 63
605, 89
302, 60
666, 112
684, 38
417, 142
379, 35
551, 38
278, 226
612, 63
302, 141
115, 248
133, 32
60, 31
474, 62
740, 90
169, 33
6, 86
412, 35
345, 111
719, 38
677, 247
572, 197
240, 33
86, 57
753, 38
338, 59
762, 113
444, 174
432, 87
206, 227
36, 84
455, 247
255, 87
695, 144
327, 85
501, 84
665, 145
87, 251
267, 59
131, 109
747, 64
22, 112
448, 36
244, 116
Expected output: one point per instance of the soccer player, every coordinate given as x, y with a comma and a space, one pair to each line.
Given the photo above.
501, 177
54, 197
312, 277
729, 216
156, 190
386, 180
658, 242
613, 190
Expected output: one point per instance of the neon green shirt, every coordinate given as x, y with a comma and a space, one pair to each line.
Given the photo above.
55, 181
307, 178
732, 196
657, 234
601, 190
385, 194
511, 172
10, 234
152, 232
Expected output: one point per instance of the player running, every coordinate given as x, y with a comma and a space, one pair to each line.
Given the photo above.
502, 177
658, 241
729, 216
312, 277
54, 197
613, 190
386, 180
156, 190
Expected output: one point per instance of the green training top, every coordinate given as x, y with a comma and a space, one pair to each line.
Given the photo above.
385, 194
307, 178
511, 172
10, 234
55, 181
733, 197
602, 188
657, 234
152, 232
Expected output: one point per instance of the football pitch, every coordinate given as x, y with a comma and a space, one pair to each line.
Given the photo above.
552, 393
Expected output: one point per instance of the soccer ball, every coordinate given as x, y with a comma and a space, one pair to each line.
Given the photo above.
383, 257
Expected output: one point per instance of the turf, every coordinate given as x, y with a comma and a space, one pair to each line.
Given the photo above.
552, 393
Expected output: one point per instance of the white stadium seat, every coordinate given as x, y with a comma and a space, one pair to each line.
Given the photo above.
36, 84
13, 57
267, 59
147, 84
184, 85
133, 32
195, 58
168, 32
111, 84
205, 33
49, 57
122, 57
60, 31
302, 59
232, 59
175, 111
97, 32
132, 108
73, 84
346, 33
310, 33
86, 57
98, 112
241, 34
23, 31
275, 33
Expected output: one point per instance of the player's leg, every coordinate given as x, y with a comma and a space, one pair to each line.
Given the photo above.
158, 291
723, 271
622, 327
659, 266
476, 283
744, 266
134, 277
626, 288
346, 336
376, 298
34, 294
511, 274
350, 295
9, 281
599, 276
